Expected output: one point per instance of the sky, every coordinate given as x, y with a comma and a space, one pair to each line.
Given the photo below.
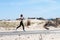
11, 9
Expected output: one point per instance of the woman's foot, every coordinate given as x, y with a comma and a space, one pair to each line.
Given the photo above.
23, 30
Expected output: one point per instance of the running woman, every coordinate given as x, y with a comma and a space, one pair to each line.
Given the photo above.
21, 22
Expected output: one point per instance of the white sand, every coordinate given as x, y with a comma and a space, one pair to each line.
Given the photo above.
35, 26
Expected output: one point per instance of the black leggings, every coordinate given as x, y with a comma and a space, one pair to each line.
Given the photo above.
21, 24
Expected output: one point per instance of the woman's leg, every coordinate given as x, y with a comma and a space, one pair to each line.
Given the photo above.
23, 26
19, 26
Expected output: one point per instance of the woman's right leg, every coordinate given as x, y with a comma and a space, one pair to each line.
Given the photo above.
19, 26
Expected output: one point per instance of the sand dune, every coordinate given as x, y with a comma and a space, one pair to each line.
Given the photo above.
8, 26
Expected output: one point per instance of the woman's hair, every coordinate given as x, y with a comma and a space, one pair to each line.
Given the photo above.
21, 15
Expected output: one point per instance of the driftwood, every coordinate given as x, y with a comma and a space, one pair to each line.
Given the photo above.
50, 23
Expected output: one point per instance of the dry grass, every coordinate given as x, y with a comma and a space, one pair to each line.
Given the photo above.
8, 24
15, 23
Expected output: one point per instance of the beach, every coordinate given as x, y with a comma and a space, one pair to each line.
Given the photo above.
35, 25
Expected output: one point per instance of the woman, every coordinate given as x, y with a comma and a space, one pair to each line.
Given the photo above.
21, 22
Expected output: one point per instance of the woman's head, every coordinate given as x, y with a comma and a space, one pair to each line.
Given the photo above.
21, 15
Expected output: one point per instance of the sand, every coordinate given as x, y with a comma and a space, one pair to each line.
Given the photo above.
35, 26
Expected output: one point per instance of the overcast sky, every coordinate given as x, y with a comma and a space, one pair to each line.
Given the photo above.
11, 9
